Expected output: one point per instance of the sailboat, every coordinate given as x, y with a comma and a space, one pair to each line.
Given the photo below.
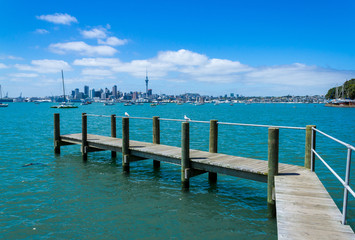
341, 101
64, 104
2, 104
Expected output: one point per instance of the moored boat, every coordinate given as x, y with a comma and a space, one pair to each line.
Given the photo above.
64, 104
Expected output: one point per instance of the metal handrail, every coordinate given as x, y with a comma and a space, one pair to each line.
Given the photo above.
198, 121
260, 125
345, 182
96, 115
337, 140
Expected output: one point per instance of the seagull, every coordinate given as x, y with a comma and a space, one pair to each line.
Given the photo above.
186, 118
126, 114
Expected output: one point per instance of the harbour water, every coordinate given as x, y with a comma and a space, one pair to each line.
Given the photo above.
46, 196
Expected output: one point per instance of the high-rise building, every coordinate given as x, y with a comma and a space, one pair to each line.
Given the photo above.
114, 91
134, 96
92, 93
86, 91
76, 95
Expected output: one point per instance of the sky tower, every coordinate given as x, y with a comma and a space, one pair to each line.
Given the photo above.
146, 82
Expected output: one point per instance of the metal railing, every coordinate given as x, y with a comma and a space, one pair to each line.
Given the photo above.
198, 121
345, 182
312, 150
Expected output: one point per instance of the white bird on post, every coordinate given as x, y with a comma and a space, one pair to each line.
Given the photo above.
126, 114
186, 118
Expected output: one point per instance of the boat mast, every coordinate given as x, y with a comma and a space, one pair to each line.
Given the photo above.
336, 93
0, 93
63, 85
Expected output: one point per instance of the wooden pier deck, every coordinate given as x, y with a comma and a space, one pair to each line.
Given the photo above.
304, 208
210, 162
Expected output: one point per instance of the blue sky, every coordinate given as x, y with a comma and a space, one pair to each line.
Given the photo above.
253, 47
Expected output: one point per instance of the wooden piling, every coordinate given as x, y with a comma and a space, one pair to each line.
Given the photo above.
212, 177
273, 168
156, 137
185, 155
56, 133
308, 147
125, 144
113, 132
84, 137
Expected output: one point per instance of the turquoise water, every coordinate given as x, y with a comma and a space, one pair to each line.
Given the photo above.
61, 197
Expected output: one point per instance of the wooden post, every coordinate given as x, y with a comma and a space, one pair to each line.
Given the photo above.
185, 155
273, 168
309, 156
125, 144
56, 133
156, 137
84, 137
113, 132
212, 177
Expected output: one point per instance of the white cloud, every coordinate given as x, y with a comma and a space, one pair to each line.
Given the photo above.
138, 68
182, 57
94, 33
113, 41
41, 31
3, 66
10, 57
187, 67
24, 75
294, 75
97, 62
58, 18
97, 72
82, 48
45, 66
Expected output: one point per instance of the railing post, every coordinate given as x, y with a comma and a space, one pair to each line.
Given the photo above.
273, 168
185, 155
84, 137
125, 144
156, 137
212, 177
56, 133
346, 192
310, 144
113, 132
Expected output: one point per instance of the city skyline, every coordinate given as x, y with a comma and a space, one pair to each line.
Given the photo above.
254, 49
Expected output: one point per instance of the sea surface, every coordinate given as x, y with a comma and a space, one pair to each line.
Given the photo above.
48, 196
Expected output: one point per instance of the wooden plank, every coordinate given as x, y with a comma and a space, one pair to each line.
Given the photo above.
290, 233
229, 171
305, 210
313, 222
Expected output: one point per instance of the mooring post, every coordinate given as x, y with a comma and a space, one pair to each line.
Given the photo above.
310, 143
185, 155
273, 168
84, 136
113, 132
212, 177
125, 144
156, 137
56, 133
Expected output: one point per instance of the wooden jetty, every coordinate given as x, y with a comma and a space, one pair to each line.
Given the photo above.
295, 195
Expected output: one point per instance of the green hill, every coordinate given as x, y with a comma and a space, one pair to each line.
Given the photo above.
349, 90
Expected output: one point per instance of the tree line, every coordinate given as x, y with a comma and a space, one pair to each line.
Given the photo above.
349, 90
